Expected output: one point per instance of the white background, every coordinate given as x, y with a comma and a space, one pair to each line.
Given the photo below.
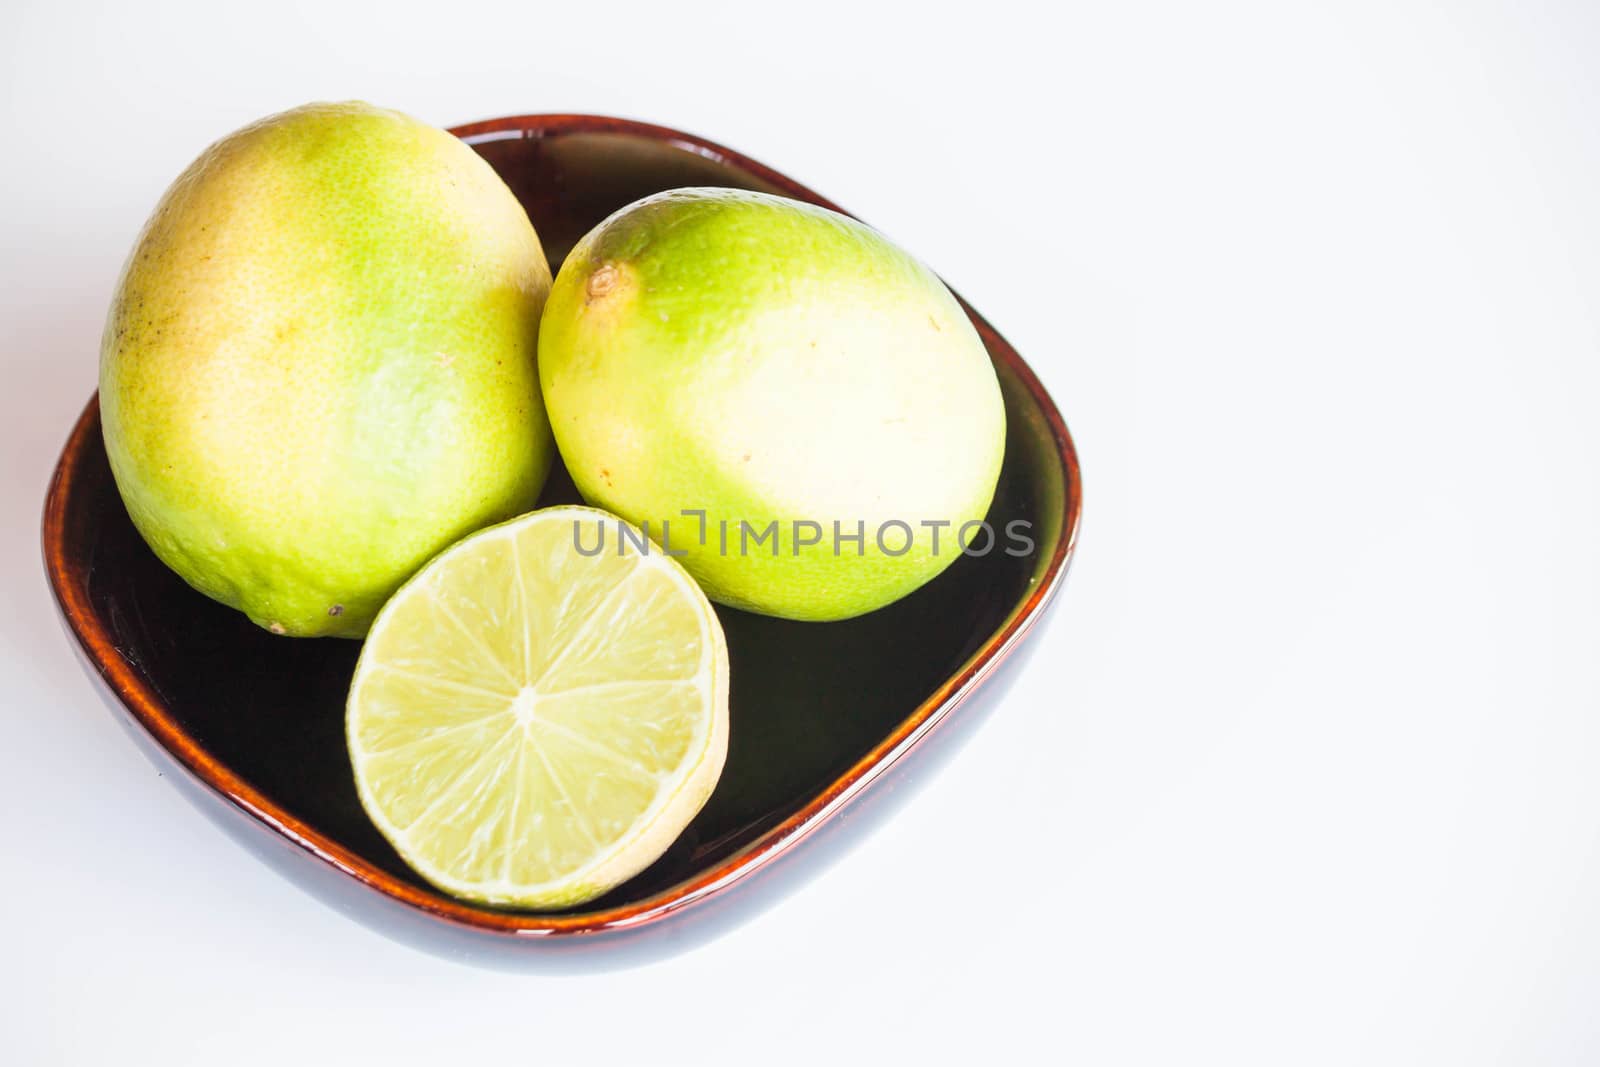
1303, 770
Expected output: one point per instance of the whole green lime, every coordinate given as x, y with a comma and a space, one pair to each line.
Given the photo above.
318, 369
776, 391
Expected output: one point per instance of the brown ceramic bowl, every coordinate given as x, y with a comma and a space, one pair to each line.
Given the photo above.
819, 711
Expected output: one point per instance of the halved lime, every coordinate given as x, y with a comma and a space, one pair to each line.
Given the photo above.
533, 722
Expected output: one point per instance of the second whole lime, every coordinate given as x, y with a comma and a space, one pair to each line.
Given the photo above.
796, 404
318, 368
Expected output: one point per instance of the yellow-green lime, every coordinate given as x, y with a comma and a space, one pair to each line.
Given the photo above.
805, 404
533, 721
318, 368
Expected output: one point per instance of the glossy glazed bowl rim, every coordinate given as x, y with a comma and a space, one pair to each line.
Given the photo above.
140, 699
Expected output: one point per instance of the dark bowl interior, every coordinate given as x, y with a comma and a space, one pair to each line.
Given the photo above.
814, 706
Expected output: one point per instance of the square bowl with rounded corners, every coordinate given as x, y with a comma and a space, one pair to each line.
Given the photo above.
819, 711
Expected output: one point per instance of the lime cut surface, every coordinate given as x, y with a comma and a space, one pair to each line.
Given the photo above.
530, 725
